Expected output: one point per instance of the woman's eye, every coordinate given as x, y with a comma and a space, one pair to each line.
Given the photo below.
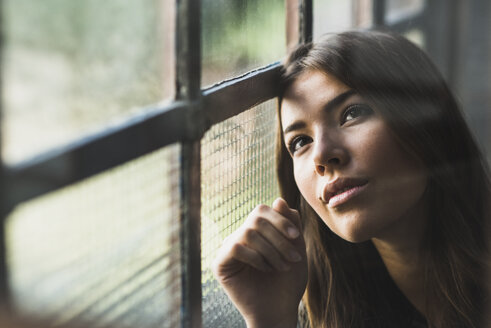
298, 143
355, 111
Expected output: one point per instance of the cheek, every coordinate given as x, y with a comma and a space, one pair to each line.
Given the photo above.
383, 154
306, 183
400, 179
305, 177
375, 149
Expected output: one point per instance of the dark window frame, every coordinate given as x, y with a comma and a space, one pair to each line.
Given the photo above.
184, 121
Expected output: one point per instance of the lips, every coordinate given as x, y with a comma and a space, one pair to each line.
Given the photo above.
341, 190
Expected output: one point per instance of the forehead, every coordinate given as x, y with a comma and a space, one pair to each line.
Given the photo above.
310, 91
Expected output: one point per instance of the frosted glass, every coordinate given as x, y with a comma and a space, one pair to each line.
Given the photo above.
104, 251
238, 173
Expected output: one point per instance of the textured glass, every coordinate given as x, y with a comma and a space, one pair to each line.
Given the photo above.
241, 35
332, 16
399, 9
69, 67
104, 251
238, 173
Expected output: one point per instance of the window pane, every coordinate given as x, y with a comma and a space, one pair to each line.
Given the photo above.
416, 36
238, 173
332, 16
399, 9
103, 251
73, 66
241, 35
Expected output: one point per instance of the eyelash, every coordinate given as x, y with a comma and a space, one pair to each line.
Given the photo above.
365, 110
292, 143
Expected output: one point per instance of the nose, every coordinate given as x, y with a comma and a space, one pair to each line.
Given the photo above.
329, 154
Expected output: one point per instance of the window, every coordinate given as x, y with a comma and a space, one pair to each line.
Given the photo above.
127, 163
102, 251
85, 66
237, 172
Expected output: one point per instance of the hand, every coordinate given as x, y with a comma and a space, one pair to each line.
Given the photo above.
262, 266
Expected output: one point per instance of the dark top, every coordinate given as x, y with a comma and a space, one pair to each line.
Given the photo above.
395, 308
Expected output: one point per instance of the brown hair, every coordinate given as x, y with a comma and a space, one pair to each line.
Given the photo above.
398, 79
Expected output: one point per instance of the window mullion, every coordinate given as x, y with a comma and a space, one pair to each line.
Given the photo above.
4, 207
378, 13
188, 83
299, 22
306, 21
232, 97
95, 153
154, 128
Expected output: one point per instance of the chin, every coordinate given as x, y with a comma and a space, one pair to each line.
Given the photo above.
353, 235
350, 229
355, 238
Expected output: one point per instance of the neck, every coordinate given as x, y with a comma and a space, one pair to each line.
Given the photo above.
401, 251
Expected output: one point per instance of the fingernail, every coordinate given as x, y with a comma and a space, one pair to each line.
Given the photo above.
294, 256
293, 232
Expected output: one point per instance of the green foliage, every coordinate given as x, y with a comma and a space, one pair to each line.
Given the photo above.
82, 63
237, 33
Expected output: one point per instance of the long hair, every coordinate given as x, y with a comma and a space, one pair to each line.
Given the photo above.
396, 77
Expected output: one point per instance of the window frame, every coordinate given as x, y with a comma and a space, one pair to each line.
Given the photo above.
184, 120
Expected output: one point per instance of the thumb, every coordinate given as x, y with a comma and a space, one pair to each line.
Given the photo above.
280, 206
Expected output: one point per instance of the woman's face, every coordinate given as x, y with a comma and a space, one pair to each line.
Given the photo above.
347, 164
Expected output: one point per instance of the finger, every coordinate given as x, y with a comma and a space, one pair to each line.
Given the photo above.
257, 242
277, 239
251, 257
280, 222
231, 259
280, 206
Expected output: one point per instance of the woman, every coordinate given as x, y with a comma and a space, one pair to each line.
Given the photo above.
384, 219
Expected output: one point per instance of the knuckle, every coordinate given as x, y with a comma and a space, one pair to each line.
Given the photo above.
259, 222
250, 234
256, 213
261, 209
236, 249
282, 245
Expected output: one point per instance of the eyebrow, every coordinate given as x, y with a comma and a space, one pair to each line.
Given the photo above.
338, 100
